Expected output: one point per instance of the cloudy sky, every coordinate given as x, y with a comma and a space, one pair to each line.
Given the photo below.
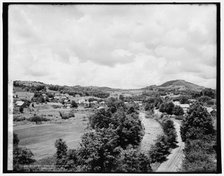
120, 46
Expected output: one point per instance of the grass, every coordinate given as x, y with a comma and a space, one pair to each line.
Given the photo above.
24, 95
41, 138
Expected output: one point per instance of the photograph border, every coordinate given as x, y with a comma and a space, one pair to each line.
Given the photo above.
5, 8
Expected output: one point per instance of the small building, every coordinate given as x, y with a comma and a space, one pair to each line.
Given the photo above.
19, 103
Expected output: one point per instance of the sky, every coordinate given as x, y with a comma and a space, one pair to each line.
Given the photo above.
119, 46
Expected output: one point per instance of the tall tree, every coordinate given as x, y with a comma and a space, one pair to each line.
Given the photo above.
197, 123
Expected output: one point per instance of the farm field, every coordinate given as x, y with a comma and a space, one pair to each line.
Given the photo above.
41, 138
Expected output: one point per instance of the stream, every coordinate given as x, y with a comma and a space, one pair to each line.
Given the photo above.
152, 130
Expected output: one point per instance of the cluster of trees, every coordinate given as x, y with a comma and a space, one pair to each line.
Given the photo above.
208, 92
110, 145
32, 88
152, 102
73, 91
37, 119
161, 149
39, 98
170, 108
78, 90
198, 133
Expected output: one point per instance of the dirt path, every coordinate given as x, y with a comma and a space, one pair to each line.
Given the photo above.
174, 160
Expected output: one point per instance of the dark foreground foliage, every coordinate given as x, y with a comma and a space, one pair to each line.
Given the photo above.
22, 157
200, 141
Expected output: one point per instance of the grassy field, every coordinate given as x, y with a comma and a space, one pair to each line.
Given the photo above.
41, 138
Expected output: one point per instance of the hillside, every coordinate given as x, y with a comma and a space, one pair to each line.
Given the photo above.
181, 85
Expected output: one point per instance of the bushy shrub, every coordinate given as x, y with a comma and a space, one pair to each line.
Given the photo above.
56, 106
21, 109
74, 104
184, 99
61, 153
37, 119
17, 119
65, 115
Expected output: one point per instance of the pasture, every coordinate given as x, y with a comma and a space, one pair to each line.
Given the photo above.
41, 138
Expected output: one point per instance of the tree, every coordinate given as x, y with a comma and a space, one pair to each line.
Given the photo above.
115, 104
121, 97
170, 131
99, 150
74, 104
160, 150
21, 156
184, 100
167, 107
101, 119
128, 128
15, 140
61, 153
131, 160
208, 92
21, 109
177, 110
149, 107
197, 123
131, 110
204, 99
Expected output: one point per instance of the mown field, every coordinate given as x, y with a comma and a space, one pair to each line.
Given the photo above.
41, 138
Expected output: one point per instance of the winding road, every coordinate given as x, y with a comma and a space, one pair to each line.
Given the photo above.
174, 160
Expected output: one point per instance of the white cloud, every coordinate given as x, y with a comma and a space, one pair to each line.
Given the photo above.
127, 46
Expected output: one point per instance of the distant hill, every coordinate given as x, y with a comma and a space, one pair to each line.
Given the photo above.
181, 85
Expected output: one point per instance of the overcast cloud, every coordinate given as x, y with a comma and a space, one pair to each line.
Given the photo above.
125, 46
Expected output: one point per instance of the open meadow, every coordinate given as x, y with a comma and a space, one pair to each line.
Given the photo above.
41, 138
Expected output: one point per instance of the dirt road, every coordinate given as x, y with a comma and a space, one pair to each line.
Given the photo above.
174, 160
